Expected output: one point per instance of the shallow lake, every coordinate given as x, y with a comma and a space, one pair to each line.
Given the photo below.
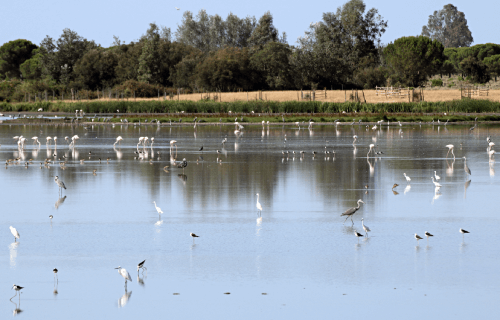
299, 261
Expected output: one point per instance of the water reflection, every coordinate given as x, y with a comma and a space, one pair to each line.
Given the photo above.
59, 202
124, 299
407, 189
17, 310
466, 185
13, 253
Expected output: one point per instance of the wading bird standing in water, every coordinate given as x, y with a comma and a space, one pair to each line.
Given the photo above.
365, 227
193, 236
466, 168
60, 184
418, 237
123, 272
450, 148
350, 212
463, 232
14, 233
141, 266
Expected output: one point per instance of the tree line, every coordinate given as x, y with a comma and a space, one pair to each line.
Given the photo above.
210, 53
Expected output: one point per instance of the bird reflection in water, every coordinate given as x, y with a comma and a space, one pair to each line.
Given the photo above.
119, 154
407, 189
449, 169
492, 168
466, 185
59, 202
124, 299
140, 280
183, 177
372, 166
395, 192
17, 310
13, 253
437, 194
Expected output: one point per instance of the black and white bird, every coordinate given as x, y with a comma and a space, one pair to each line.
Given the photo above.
358, 235
55, 274
141, 266
463, 232
14, 233
428, 234
350, 212
17, 288
193, 236
201, 149
418, 237
183, 164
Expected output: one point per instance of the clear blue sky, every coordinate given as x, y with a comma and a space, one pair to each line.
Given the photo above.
100, 20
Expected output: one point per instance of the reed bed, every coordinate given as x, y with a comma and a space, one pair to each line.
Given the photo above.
257, 107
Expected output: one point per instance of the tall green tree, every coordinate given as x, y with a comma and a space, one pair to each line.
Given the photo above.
476, 69
150, 59
493, 64
413, 59
31, 69
61, 56
272, 61
96, 69
265, 31
210, 33
449, 27
331, 50
12, 55
226, 69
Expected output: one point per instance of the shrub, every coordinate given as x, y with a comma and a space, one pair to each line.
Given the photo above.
436, 83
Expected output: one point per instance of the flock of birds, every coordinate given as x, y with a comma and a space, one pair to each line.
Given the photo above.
145, 141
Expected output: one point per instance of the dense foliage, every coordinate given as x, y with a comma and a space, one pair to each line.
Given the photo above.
449, 27
210, 53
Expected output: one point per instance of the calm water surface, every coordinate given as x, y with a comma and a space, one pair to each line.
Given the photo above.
299, 262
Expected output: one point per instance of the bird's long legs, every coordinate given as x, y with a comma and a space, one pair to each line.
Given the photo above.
346, 219
13, 296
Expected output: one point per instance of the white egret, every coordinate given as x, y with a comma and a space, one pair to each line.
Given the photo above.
48, 140
14, 233
123, 272
365, 227
408, 179
259, 206
350, 212
158, 209
450, 148
436, 176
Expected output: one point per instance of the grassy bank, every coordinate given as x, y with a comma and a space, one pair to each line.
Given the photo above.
263, 107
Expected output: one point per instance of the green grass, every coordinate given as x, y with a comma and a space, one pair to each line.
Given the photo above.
271, 111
